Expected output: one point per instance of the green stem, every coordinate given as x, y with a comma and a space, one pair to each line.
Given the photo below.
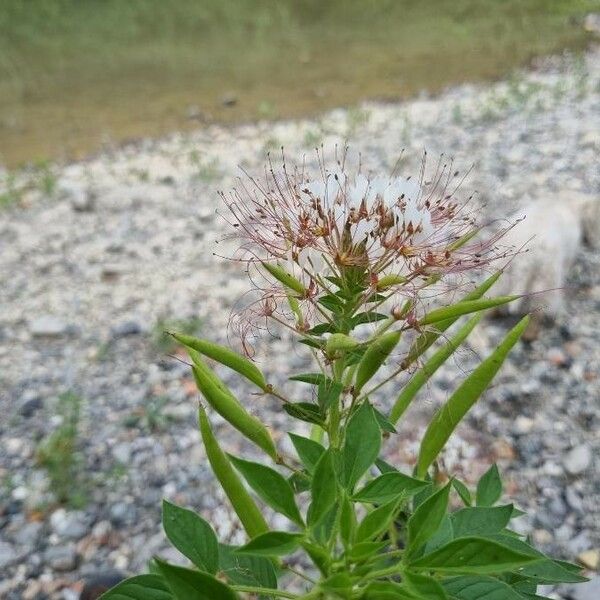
265, 591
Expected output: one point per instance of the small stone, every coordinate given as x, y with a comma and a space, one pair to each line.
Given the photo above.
126, 328
229, 99
591, 23
542, 537
29, 534
523, 424
61, 558
82, 199
590, 590
122, 453
48, 326
8, 555
72, 525
574, 500
578, 460
122, 513
558, 358
590, 559
29, 407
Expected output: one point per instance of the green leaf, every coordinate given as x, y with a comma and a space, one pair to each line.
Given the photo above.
473, 555
270, 486
308, 450
186, 584
142, 587
226, 357
464, 308
384, 467
192, 536
424, 586
339, 584
489, 488
304, 411
362, 444
300, 481
272, 543
426, 519
387, 590
476, 587
363, 550
310, 378
547, 571
480, 520
388, 486
463, 492
449, 416
376, 521
318, 555
374, 357
244, 569
384, 424
443, 535
347, 521
366, 317
328, 394
323, 489
422, 376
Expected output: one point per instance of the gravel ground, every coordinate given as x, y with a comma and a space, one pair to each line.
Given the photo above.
126, 242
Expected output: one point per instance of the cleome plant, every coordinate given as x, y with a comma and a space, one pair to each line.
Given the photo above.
357, 267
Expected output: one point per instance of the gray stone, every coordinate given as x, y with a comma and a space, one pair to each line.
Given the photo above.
578, 459
126, 328
8, 555
28, 535
48, 326
71, 525
122, 453
122, 513
61, 558
29, 407
590, 590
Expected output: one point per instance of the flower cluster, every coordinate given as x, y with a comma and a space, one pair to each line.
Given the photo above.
403, 232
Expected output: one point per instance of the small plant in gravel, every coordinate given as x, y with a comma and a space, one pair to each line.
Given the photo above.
357, 267
58, 454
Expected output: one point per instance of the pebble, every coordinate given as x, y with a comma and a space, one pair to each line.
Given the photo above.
69, 524
578, 460
590, 590
48, 326
590, 559
8, 555
61, 558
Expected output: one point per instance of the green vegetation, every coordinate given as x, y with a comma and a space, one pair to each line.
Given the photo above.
58, 454
76, 72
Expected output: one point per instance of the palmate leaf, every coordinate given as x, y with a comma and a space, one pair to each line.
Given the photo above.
449, 416
142, 587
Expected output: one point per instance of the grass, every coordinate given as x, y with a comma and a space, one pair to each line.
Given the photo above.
59, 455
74, 73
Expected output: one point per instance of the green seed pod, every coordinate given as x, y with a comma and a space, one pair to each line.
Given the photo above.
389, 281
340, 342
464, 308
227, 405
374, 357
284, 277
243, 504
226, 357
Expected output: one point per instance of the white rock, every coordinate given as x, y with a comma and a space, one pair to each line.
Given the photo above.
578, 459
48, 326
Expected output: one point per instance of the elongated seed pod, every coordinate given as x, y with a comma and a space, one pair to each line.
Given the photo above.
243, 504
284, 277
464, 308
227, 405
225, 356
374, 357
340, 342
